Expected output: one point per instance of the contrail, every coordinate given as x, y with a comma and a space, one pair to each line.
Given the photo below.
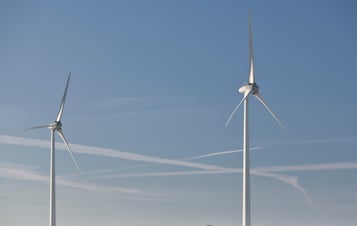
318, 141
124, 155
17, 172
83, 149
223, 153
290, 180
132, 156
155, 164
293, 181
259, 171
310, 167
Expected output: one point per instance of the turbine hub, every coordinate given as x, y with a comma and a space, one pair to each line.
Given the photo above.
255, 88
55, 125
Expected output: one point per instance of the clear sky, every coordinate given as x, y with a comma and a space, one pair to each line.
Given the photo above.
153, 83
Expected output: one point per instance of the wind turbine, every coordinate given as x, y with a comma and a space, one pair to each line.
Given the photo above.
56, 126
251, 88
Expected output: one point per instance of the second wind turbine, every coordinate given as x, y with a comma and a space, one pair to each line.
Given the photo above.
56, 126
247, 89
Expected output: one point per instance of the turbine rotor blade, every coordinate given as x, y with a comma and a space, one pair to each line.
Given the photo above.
60, 133
271, 112
238, 105
60, 111
251, 77
37, 127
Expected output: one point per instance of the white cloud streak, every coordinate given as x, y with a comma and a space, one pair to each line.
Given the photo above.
310, 167
259, 171
107, 152
19, 172
318, 141
290, 180
155, 164
223, 153
206, 169
209, 169
293, 181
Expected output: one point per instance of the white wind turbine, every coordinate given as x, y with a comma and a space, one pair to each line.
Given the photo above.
56, 126
250, 88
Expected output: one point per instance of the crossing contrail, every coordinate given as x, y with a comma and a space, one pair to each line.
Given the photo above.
203, 169
106, 152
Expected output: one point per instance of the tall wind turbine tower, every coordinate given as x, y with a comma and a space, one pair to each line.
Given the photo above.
56, 126
247, 89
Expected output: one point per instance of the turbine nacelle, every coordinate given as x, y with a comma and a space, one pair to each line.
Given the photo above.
252, 88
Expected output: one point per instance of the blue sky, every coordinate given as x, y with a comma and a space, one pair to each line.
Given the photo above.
153, 83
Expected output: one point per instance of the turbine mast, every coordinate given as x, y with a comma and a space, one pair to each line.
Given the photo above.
246, 169
52, 182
